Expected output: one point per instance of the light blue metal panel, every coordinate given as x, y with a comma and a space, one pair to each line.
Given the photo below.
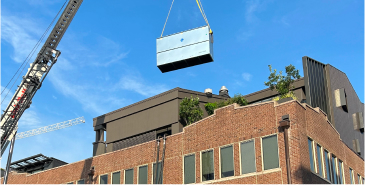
182, 39
186, 52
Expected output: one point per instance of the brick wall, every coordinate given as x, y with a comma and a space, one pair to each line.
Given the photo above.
228, 126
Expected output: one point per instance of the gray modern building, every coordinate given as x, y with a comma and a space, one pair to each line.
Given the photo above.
322, 86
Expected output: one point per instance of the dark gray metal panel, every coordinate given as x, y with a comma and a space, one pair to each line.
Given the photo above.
343, 119
315, 83
134, 140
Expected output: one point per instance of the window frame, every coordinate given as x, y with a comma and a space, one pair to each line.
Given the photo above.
359, 178
77, 182
102, 175
329, 165
124, 174
111, 176
314, 156
342, 171
239, 151
138, 172
71, 182
352, 177
183, 166
331, 168
322, 164
220, 162
262, 152
201, 165
152, 181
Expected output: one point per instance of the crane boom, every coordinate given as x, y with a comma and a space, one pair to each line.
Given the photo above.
50, 128
37, 72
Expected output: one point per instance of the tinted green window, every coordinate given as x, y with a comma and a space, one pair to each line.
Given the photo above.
334, 173
227, 161
82, 181
326, 160
319, 157
340, 171
104, 179
116, 178
207, 166
311, 154
189, 169
248, 163
159, 174
128, 179
142, 175
270, 152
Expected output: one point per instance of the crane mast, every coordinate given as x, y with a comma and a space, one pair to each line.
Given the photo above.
36, 74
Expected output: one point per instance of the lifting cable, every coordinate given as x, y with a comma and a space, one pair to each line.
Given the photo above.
163, 160
30, 54
201, 10
158, 151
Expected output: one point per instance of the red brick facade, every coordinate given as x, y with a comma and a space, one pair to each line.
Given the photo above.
229, 125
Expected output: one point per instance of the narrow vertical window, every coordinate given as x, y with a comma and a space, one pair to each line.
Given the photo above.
319, 157
311, 156
270, 152
358, 178
248, 163
142, 174
227, 161
189, 169
334, 173
207, 166
116, 178
104, 179
158, 172
340, 172
128, 176
327, 161
352, 176
82, 181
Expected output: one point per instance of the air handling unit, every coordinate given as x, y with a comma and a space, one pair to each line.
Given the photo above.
185, 49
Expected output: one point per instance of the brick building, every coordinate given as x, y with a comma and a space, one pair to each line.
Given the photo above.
234, 145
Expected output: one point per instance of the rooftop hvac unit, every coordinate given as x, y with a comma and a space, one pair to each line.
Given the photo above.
184, 49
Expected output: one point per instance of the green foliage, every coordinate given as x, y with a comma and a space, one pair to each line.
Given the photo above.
290, 94
283, 84
190, 111
209, 107
237, 98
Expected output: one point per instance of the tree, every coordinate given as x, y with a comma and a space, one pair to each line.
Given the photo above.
190, 111
237, 98
283, 84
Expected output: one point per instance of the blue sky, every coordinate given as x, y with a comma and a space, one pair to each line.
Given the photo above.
108, 58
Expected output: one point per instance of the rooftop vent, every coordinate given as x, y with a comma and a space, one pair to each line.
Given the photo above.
208, 92
224, 92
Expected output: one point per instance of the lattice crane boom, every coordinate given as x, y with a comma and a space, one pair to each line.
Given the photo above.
50, 128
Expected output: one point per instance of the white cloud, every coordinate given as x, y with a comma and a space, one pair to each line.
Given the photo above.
251, 8
246, 76
54, 97
19, 33
137, 84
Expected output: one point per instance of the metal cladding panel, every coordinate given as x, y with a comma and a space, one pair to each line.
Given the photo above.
185, 49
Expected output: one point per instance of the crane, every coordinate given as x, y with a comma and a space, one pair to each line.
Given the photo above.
33, 79
50, 128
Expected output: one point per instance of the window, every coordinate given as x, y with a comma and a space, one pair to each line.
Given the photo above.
248, 162
352, 176
327, 161
340, 172
142, 174
207, 165
82, 181
320, 160
103, 179
116, 178
128, 176
363, 180
311, 155
70, 183
333, 169
270, 152
158, 172
189, 169
226, 157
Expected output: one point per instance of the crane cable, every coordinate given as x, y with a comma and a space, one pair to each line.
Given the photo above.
201, 10
30, 54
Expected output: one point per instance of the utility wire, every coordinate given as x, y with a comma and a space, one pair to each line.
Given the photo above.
30, 54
